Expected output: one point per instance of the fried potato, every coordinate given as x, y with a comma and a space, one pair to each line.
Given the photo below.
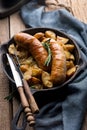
28, 74
69, 56
50, 34
11, 49
22, 54
69, 64
71, 71
62, 40
24, 68
29, 61
68, 47
46, 80
34, 80
36, 72
39, 35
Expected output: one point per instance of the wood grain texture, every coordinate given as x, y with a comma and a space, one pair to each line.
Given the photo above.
5, 106
79, 9
4, 30
16, 24
16, 27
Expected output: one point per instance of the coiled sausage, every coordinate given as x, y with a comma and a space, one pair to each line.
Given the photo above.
35, 48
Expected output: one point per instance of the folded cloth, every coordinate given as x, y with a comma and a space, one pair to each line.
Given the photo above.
67, 106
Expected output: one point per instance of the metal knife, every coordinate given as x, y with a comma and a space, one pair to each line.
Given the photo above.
29, 95
19, 85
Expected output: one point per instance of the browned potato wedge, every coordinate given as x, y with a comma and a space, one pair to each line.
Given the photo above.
50, 34
69, 47
72, 57
22, 54
36, 72
71, 71
69, 64
39, 35
62, 40
11, 49
24, 68
29, 61
34, 80
46, 80
69, 56
28, 74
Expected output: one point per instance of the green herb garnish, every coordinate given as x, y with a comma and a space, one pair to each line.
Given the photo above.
47, 47
10, 96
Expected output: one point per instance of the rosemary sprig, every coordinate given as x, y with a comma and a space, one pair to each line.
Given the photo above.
11, 95
47, 47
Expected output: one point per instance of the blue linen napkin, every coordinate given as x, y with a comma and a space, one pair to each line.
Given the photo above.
67, 106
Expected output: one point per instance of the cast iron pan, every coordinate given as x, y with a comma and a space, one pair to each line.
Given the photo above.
40, 93
8, 7
32, 31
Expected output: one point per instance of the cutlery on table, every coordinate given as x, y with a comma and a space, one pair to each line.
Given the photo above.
27, 99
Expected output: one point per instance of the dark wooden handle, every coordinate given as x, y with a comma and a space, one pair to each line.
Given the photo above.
25, 104
30, 97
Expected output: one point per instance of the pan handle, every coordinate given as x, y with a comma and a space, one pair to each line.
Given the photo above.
16, 119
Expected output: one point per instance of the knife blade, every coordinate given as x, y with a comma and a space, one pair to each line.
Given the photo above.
15, 73
30, 98
19, 85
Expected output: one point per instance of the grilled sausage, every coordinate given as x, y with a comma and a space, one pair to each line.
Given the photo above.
58, 69
35, 48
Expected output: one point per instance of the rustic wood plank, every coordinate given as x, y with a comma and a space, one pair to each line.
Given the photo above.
4, 30
64, 2
16, 25
58, 4
79, 9
5, 106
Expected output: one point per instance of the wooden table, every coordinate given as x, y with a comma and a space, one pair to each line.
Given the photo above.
8, 27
